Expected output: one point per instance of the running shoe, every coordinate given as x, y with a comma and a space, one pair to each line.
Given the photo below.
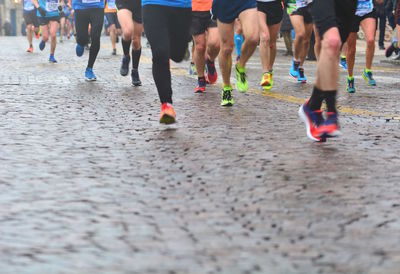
301, 77
350, 85
42, 45
227, 99
267, 81
61, 39
37, 35
212, 74
313, 120
294, 69
89, 75
114, 52
343, 63
392, 48
192, 69
124, 70
201, 85
135, 78
30, 49
367, 75
241, 81
167, 115
52, 59
79, 50
330, 127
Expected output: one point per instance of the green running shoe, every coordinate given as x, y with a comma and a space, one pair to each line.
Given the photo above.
227, 99
241, 81
367, 75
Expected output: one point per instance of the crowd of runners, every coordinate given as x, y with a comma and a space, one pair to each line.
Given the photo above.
214, 28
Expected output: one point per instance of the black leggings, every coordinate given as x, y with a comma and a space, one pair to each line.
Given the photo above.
82, 19
167, 30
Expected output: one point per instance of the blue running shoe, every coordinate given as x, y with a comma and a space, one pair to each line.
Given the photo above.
301, 77
367, 75
294, 69
79, 50
350, 85
343, 63
313, 120
52, 59
42, 45
330, 127
89, 75
124, 70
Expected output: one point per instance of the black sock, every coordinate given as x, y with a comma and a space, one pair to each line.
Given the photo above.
125, 46
316, 99
330, 100
136, 57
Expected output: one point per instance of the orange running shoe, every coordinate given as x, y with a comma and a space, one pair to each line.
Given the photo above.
168, 114
30, 49
37, 35
212, 74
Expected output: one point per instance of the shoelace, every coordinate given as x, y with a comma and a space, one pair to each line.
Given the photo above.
242, 76
227, 95
301, 73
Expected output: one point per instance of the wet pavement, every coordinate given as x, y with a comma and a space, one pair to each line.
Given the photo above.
91, 183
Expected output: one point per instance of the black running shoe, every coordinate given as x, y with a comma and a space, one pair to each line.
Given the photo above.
135, 78
125, 65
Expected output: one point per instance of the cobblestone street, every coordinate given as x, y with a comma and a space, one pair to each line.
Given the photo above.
91, 183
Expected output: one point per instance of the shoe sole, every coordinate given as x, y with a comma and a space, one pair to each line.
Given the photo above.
167, 119
136, 84
227, 104
90, 80
242, 91
304, 117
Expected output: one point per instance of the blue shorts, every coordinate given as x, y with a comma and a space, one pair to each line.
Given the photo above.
227, 11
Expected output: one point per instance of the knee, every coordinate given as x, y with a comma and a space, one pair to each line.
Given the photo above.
265, 39
136, 43
160, 55
252, 39
332, 45
300, 36
370, 42
127, 34
226, 49
200, 48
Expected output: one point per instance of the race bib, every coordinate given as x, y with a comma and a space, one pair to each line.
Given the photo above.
52, 5
90, 1
111, 4
28, 5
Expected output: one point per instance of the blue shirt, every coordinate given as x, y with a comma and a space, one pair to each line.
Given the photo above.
51, 7
364, 7
169, 3
87, 4
28, 6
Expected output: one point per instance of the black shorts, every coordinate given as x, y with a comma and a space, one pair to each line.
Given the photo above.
31, 18
227, 11
46, 20
334, 13
306, 13
273, 10
357, 20
201, 21
135, 6
112, 19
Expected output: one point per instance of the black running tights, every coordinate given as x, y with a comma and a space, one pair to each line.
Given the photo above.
94, 17
167, 30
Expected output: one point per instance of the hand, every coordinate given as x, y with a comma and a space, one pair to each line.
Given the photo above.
42, 11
